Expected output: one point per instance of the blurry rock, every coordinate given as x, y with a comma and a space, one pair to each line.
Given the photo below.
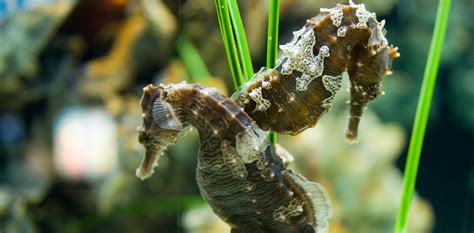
255, 15
23, 36
107, 75
142, 43
175, 72
18, 221
38, 159
95, 23
23, 183
203, 220
161, 19
12, 132
117, 190
5, 201
85, 144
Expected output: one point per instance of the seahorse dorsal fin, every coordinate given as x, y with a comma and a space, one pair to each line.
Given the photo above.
316, 201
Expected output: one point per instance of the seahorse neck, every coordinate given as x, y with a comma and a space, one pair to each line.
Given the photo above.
214, 115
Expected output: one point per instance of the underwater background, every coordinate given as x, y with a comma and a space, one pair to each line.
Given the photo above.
71, 77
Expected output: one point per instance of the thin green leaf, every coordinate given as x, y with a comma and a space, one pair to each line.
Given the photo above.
229, 42
422, 113
192, 60
272, 35
272, 43
242, 45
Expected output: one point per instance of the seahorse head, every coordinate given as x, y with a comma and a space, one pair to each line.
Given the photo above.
161, 128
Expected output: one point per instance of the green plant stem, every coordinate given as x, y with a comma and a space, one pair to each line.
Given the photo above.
192, 60
229, 42
422, 113
272, 43
242, 45
272, 35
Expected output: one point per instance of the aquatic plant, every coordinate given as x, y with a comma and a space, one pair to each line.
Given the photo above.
422, 113
272, 42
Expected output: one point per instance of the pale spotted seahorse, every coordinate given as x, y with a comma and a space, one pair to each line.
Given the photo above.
346, 40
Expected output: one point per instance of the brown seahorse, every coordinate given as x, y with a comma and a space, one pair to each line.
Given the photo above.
346, 40
239, 173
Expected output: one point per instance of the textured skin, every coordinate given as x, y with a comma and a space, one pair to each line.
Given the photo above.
239, 172
362, 52
249, 202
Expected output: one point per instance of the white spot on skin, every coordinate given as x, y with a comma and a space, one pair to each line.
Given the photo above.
341, 31
291, 98
266, 85
333, 84
249, 186
262, 104
299, 208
